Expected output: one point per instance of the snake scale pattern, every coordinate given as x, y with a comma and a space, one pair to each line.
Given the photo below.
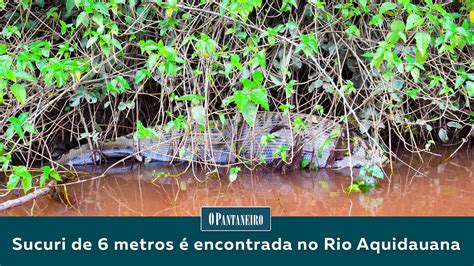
235, 141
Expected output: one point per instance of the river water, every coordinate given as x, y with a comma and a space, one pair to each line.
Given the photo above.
434, 187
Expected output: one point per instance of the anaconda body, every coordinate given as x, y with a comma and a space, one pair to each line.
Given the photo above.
321, 142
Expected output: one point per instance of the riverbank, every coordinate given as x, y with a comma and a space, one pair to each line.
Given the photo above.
433, 188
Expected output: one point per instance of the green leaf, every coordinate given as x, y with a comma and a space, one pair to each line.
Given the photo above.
454, 125
257, 77
199, 114
259, 97
45, 175
24, 76
63, 27
353, 188
233, 172
152, 60
282, 152
308, 44
286, 7
265, 139
304, 163
140, 75
376, 20
470, 88
55, 175
249, 112
70, 4
3, 47
414, 21
415, 73
387, 6
397, 26
91, 41
423, 40
26, 182
191, 97
13, 180
460, 79
376, 171
3, 84
259, 60
99, 20
22, 117
82, 18
144, 132
21, 171
335, 133
241, 99
28, 127
319, 108
235, 60
443, 135
147, 46
19, 92
116, 43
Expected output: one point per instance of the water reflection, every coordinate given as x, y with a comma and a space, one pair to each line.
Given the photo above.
435, 187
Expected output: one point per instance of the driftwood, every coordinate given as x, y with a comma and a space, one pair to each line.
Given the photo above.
27, 198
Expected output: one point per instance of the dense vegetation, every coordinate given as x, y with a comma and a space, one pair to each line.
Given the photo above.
82, 71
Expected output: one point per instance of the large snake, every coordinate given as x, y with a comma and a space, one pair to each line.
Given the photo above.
274, 137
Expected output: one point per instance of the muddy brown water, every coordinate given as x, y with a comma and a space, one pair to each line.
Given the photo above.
435, 187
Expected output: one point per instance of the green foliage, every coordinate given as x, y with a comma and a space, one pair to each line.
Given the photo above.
160, 174
83, 94
19, 92
366, 179
160, 56
14, 78
371, 170
198, 113
299, 125
190, 61
250, 98
233, 173
10, 31
319, 108
281, 151
304, 163
5, 159
423, 40
206, 47
47, 174
191, 97
178, 123
271, 34
117, 85
19, 126
413, 21
308, 44
20, 173
61, 70
266, 138
141, 75
239, 8
326, 144
145, 132
288, 5
352, 31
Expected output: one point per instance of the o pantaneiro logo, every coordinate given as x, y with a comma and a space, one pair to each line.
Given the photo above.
236, 219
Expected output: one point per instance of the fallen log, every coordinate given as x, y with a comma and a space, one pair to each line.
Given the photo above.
26, 198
